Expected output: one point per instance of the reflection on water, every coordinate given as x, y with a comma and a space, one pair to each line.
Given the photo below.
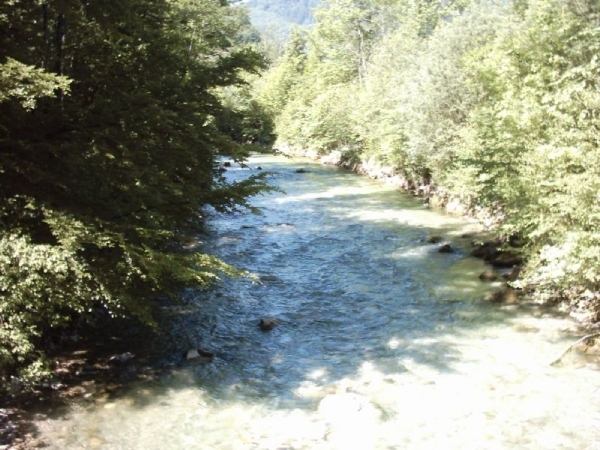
383, 343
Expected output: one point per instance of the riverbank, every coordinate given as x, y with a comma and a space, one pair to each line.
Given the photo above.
90, 364
385, 174
360, 296
587, 315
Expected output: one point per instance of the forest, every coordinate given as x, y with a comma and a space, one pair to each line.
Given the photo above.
494, 105
113, 119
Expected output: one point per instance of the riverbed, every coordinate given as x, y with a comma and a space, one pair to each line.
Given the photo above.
382, 342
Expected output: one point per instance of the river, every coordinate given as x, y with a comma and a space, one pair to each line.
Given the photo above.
382, 342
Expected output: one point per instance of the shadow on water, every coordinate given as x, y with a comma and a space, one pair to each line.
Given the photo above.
360, 297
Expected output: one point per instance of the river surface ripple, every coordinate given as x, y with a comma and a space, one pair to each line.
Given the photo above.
383, 342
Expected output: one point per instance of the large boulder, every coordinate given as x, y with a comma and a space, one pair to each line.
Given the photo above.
506, 260
490, 252
584, 352
485, 250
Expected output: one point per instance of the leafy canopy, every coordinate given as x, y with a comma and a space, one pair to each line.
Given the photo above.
492, 103
111, 121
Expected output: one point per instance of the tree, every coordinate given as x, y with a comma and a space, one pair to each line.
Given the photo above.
493, 103
27, 83
279, 85
109, 131
541, 116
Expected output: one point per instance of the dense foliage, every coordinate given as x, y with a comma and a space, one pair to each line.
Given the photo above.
112, 116
494, 103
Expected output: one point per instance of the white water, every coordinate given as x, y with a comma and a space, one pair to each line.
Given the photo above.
383, 344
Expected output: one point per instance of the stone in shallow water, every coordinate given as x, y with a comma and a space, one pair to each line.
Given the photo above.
197, 356
506, 259
508, 295
267, 323
488, 275
434, 239
446, 248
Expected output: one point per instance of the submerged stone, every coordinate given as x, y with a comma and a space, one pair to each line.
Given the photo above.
508, 295
488, 275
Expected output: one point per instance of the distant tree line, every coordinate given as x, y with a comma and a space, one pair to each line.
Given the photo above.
494, 103
112, 116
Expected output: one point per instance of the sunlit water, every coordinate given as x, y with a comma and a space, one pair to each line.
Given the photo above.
383, 342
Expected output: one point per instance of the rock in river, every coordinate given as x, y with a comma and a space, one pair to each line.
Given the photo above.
446, 248
267, 323
488, 275
197, 356
508, 295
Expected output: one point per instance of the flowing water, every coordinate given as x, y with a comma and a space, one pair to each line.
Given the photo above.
382, 343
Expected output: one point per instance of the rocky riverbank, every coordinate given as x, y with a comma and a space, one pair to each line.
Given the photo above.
371, 168
88, 366
438, 198
95, 370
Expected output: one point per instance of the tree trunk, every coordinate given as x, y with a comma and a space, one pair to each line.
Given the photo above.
46, 56
61, 32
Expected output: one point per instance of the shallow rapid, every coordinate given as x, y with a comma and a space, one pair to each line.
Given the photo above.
382, 342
